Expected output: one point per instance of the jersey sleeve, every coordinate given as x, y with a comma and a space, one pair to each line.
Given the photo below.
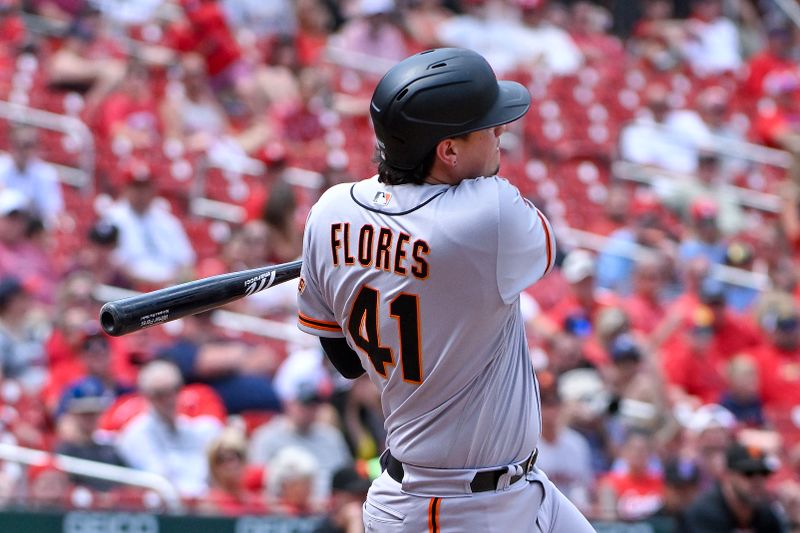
526, 248
314, 313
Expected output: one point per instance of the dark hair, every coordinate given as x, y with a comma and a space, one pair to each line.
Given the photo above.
395, 176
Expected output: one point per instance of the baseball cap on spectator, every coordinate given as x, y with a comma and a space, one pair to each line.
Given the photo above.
681, 473
103, 233
578, 324
704, 210
85, 396
13, 202
347, 479
137, 172
749, 460
712, 291
577, 266
624, 348
710, 416
369, 8
302, 377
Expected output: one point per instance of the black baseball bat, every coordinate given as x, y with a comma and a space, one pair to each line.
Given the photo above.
171, 303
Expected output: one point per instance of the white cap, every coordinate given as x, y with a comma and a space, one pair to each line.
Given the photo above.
367, 8
577, 266
12, 200
710, 416
302, 375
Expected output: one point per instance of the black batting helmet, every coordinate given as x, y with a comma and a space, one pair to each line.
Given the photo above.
438, 94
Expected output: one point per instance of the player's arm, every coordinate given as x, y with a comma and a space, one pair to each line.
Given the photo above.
342, 357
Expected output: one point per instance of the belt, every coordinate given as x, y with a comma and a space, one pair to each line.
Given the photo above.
482, 482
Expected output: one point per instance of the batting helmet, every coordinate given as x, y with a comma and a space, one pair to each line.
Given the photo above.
438, 94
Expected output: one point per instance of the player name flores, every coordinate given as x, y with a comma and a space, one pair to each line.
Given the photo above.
381, 248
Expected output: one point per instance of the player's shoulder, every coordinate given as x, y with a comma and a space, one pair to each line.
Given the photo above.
487, 192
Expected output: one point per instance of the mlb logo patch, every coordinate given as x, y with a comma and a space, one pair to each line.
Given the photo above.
382, 198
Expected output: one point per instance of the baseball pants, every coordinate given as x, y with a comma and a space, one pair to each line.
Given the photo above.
531, 505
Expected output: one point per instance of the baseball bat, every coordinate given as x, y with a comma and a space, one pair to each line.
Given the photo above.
171, 303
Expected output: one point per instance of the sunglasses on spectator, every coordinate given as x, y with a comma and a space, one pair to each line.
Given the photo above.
163, 392
226, 456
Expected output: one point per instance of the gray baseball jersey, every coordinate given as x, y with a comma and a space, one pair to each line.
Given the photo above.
424, 283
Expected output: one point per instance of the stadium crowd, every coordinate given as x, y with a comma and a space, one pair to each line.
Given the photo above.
177, 139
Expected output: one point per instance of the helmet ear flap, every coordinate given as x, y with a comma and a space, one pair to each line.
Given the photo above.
438, 94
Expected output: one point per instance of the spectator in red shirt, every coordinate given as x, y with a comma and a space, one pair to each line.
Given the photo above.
779, 358
130, 116
636, 492
584, 297
228, 494
776, 57
778, 121
645, 306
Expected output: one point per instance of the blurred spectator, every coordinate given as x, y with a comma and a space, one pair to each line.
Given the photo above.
778, 358
681, 192
228, 494
694, 361
280, 211
636, 492
563, 452
239, 372
589, 29
776, 123
742, 394
97, 372
578, 269
256, 20
616, 262
290, 482
740, 296
315, 21
584, 403
616, 209
423, 18
739, 501
349, 491
645, 304
681, 484
305, 389
129, 117
21, 254
708, 433
371, 31
22, 355
88, 61
492, 29
162, 441
153, 246
711, 40
77, 430
190, 112
704, 237
22, 170
662, 136
775, 58
96, 256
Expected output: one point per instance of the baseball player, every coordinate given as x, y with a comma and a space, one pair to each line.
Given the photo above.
413, 276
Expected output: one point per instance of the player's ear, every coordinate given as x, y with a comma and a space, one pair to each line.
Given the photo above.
447, 152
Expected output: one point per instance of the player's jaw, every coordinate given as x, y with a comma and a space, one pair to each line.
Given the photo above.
480, 153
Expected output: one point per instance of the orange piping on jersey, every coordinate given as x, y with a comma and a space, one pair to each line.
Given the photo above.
317, 324
433, 515
549, 244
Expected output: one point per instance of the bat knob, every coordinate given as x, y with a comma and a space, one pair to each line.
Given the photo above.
109, 320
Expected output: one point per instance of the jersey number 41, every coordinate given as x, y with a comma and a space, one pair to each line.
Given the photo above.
365, 331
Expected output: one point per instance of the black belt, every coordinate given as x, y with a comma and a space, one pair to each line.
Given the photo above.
483, 481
